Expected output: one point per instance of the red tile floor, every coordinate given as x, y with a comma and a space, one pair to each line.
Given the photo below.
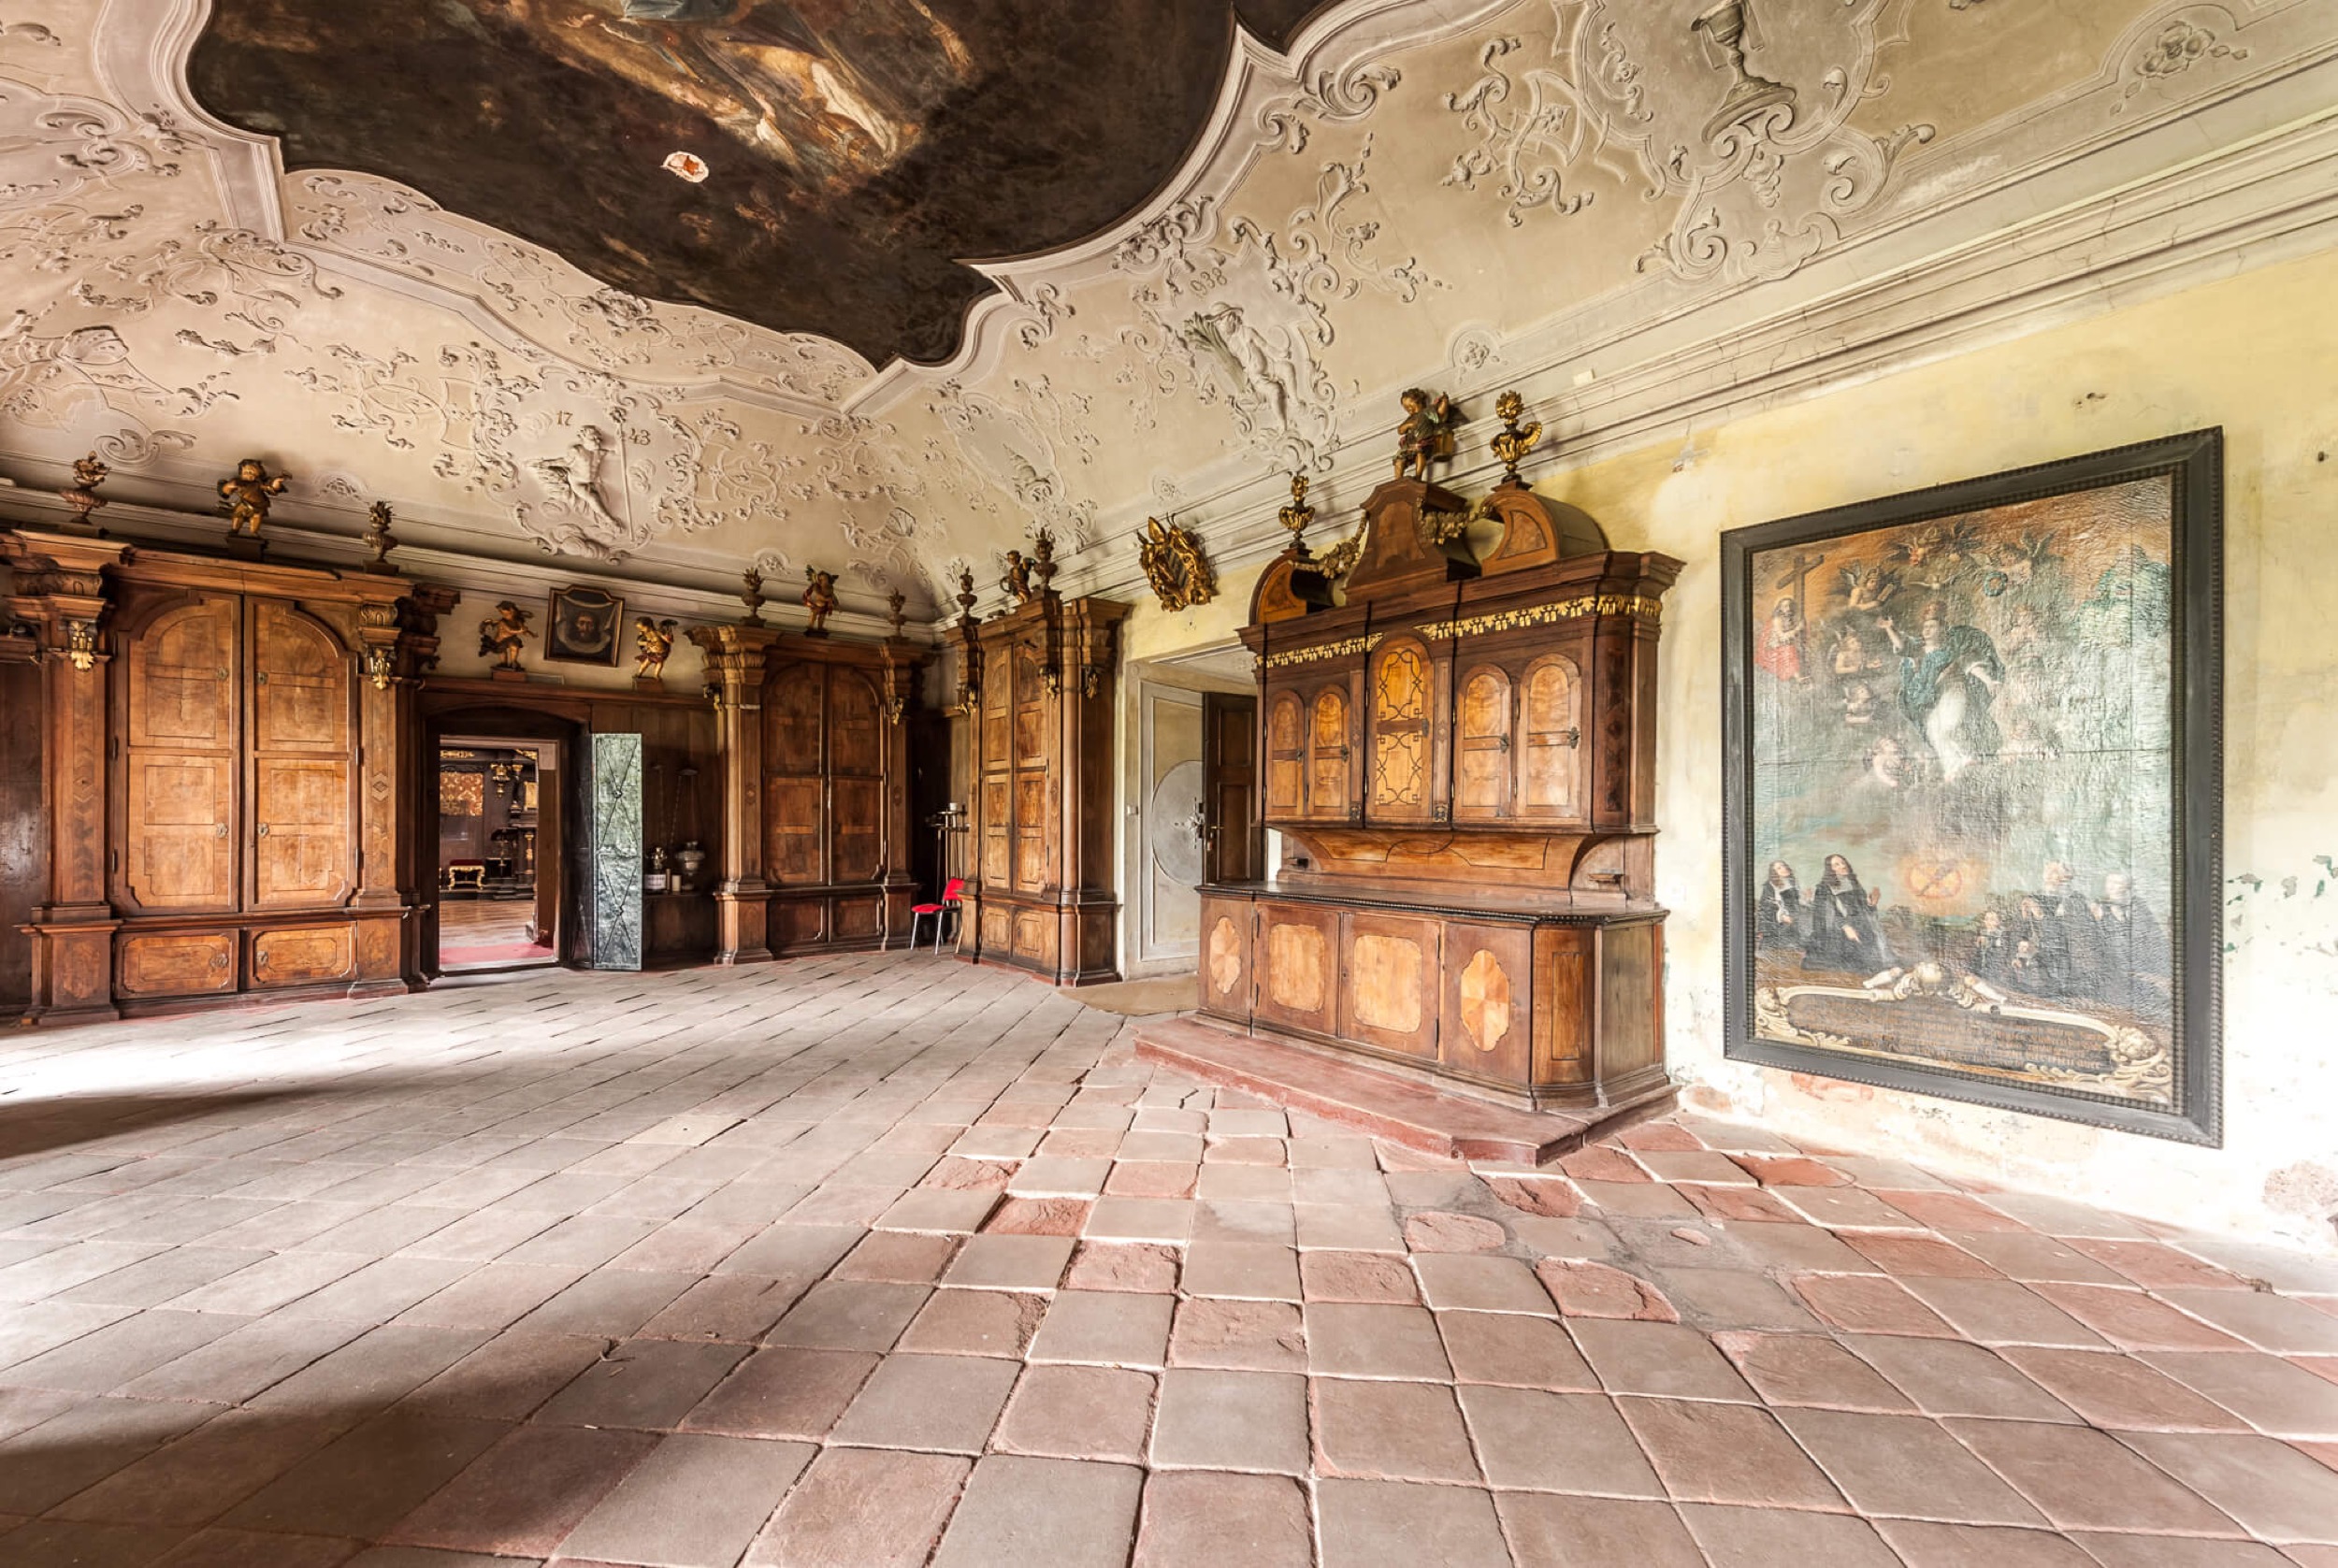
886, 1260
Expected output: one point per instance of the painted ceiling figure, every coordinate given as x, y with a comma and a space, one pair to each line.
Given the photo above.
838, 95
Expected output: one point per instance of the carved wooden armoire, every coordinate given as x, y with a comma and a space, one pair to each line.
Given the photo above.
1460, 756
222, 743
1037, 687
816, 843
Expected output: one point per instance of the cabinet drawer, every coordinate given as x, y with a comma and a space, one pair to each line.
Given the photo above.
178, 964
303, 956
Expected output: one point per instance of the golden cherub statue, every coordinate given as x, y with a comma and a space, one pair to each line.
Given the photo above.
1514, 440
88, 474
652, 644
1425, 433
819, 598
1017, 581
505, 634
245, 499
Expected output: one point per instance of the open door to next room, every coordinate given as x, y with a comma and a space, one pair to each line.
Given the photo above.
498, 861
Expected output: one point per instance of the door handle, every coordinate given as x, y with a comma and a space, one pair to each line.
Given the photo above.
219, 830
263, 829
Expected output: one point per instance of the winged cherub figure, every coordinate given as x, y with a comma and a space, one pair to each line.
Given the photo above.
1425, 433
505, 634
245, 499
653, 645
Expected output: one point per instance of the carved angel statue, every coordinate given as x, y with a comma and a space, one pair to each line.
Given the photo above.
1425, 434
1018, 578
245, 499
505, 634
652, 644
1171, 559
572, 479
819, 598
88, 474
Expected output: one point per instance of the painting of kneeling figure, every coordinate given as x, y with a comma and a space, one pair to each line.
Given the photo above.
1972, 818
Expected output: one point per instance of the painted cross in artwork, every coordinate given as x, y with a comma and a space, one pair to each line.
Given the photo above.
1958, 816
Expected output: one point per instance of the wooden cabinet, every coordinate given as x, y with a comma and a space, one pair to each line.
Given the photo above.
208, 719
1461, 759
1038, 690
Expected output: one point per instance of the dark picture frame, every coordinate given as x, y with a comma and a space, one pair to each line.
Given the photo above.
2000, 589
583, 626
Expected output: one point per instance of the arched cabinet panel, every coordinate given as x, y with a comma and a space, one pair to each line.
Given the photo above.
1286, 754
1401, 701
855, 778
1482, 781
1550, 757
1329, 756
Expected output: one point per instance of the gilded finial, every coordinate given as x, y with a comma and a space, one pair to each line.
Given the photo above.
1514, 440
1298, 514
753, 597
378, 539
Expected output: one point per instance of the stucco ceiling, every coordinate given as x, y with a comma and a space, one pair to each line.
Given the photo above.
1627, 212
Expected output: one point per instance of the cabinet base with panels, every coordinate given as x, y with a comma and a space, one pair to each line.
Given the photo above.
167, 965
1539, 1008
840, 918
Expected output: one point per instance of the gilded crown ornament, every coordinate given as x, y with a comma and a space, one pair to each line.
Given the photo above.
1297, 515
1170, 555
1513, 441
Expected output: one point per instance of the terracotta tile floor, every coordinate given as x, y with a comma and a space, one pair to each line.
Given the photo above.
887, 1260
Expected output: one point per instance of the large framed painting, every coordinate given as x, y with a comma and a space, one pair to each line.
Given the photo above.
1974, 789
583, 626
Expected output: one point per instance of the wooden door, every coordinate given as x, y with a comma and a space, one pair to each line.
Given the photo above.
180, 772
1400, 787
1551, 753
1483, 769
304, 808
1036, 772
794, 699
856, 781
1233, 847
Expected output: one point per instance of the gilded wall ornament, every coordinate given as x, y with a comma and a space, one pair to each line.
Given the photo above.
379, 664
1170, 555
246, 496
1297, 515
81, 643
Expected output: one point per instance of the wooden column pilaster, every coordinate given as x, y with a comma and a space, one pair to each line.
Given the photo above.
60, 592
1087, 654
734, 677
903, 662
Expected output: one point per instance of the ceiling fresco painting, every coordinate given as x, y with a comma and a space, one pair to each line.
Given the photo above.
809, 166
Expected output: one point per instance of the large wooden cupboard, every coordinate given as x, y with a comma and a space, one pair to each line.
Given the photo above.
1460, 757
224, 738
1038, 688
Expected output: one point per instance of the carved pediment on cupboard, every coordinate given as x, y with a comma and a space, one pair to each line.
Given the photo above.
1536, 532
1417, 536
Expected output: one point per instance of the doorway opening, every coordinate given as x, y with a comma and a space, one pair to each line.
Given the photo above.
1190, 778
499, 872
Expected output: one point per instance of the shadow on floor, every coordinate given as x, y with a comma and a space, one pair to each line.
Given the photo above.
30, 1127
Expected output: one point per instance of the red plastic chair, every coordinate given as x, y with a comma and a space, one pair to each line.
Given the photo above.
941, 912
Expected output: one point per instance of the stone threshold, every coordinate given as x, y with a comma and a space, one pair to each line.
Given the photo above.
1384, 1104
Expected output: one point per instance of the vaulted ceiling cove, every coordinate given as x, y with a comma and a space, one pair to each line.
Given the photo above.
665, 288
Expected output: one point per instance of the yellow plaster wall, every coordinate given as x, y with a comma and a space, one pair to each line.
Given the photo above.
2257, 355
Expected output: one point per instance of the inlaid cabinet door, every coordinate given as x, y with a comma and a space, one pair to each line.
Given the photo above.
179, 822
794, 809
1399, 787
304, 808
1483, 769
1286, 754
1329, 754
856, 781
1550, 754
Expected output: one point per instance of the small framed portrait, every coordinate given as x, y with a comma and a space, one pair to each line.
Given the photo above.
583, 626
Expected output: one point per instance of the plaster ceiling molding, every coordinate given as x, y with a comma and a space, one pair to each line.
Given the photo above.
27, 35
1008, 440
1333, 71
84, 386
1736, 114
2170, 45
